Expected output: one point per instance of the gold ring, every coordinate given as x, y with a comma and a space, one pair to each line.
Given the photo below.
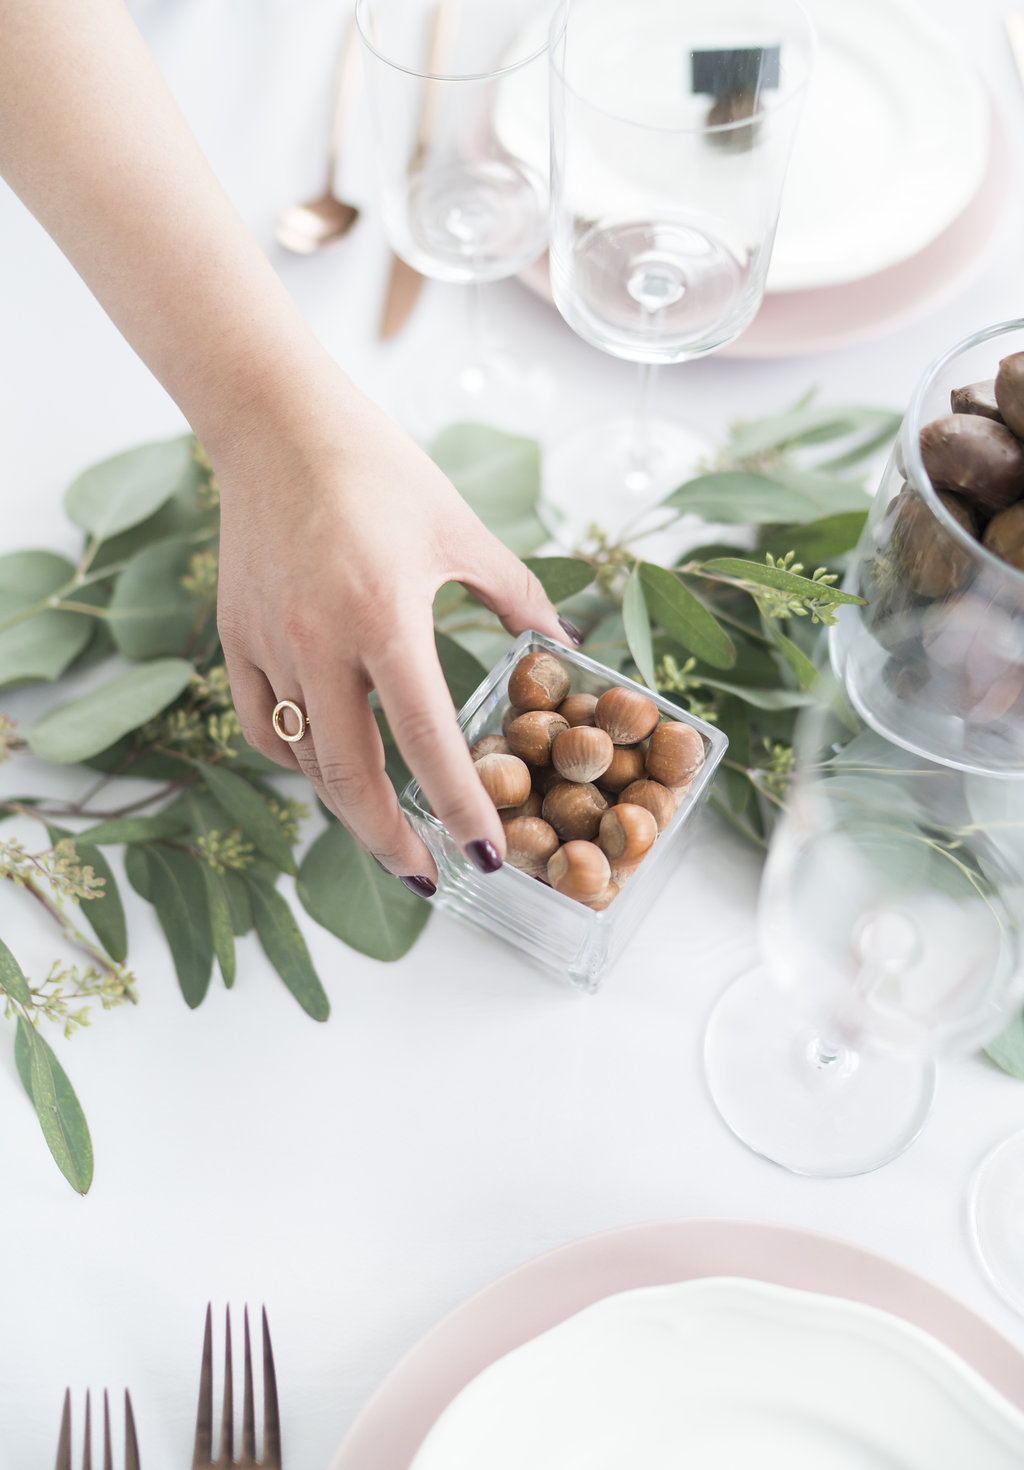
279, 728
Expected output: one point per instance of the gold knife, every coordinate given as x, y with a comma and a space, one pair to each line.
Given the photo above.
1015, 31
404, 280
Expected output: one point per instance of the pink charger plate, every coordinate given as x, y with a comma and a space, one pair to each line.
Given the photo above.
545, 1291
792, 323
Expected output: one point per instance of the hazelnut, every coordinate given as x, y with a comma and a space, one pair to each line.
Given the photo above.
528, 808
578, 709
530, 735
529, 843
512, 713
574, 809
627, 766
602, 900
658, 800
505, 778
1009, 391
1004, 535
622, 872
579, 870
538, 681
976, 457
626, 714
489, 745
544, 777
626, 833
676, 753
933, 562
977, 398
582, 754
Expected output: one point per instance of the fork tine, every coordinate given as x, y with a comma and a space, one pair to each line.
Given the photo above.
64, 1441
201, 1455
108, 1459
248, 1404
226, 1453
131, 1443
271, 1417
87, 1451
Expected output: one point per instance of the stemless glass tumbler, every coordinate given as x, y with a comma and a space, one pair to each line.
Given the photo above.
935, 659
459, 202
671, 128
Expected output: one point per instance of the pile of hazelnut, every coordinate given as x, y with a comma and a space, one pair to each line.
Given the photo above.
584, 784
975, 460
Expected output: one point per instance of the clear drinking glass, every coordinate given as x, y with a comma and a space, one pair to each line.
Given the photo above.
890, 930
671, 128
935, 659
460, 203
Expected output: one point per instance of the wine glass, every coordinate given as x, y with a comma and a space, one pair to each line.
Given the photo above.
890, 927
462, 201
671, 128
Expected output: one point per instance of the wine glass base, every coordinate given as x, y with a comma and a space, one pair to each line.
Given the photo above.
995, 1215
607, 477
825, 1112
499, 390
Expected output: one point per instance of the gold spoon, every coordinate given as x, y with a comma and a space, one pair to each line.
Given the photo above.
307, 228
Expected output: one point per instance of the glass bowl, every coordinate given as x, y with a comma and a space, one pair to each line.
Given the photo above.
553, 932
935, 660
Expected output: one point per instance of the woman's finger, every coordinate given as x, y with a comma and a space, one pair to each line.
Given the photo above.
415, 698
342, 755
254, 700
513, 593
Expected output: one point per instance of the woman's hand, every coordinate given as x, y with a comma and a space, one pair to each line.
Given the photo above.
336, 534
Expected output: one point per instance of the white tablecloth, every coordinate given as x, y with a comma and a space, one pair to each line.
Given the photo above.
458, 1113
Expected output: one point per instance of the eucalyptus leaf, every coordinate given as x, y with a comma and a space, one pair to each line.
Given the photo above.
182, 515
737, 497
221, 925
178, 894
1007, 1050
462, 671
286, 949
150, 612
87, 725
811, 425
761, 697
12, 979
449, 597
818, 543
803, 668
239, 902
778, 579
561, 576
57, 1108
672, 606
43, 646
637, 624
130, 829
136, 867
126, 489
734, 722
239, 798
105, 913
498, 475
342, 888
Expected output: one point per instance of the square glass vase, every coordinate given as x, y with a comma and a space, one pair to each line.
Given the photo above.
553, 932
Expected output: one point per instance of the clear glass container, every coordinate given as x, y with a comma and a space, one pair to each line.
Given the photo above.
556, 933
935, 660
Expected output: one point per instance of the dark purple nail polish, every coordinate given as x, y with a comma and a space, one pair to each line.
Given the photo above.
422, 887
483, 855
571, 631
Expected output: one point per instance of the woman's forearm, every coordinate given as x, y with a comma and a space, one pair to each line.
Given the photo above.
94, 143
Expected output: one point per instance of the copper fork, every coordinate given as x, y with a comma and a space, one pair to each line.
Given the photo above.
202, 1458
131, 1444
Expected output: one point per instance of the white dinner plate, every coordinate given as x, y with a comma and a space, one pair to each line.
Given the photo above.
720, 1373
892, 146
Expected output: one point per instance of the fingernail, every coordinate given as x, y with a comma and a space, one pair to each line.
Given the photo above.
483, 855
422, 887
571, 631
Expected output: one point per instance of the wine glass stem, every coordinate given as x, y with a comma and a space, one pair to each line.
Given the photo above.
477, 323
640, 450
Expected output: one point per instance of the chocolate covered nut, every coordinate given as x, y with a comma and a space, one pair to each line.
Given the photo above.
1009, 390
1004, 535
976, 457
979, 398
933, 561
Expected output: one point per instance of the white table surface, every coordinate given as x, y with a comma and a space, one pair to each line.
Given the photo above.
458, 1113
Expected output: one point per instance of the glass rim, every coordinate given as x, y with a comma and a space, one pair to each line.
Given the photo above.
560, 21
492, 75
910, 445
